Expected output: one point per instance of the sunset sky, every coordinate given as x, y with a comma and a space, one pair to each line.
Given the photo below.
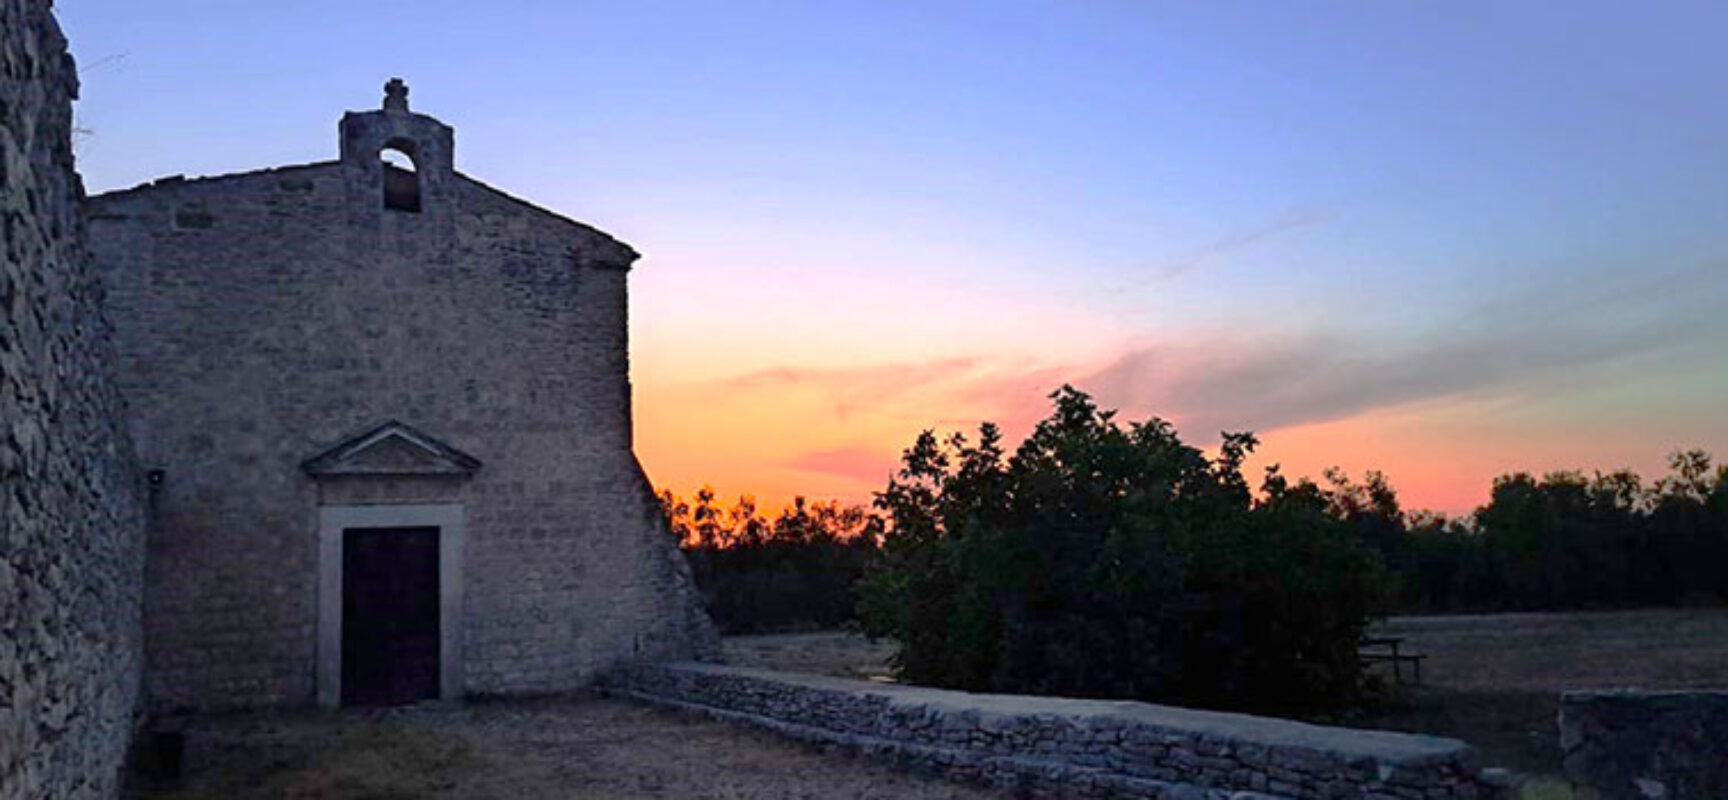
1444, 240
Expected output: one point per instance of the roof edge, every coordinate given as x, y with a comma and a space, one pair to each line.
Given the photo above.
171, 181
627, 254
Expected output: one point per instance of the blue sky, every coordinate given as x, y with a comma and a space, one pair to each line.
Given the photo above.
1441, 239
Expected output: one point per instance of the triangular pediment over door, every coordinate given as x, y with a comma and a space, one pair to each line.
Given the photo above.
393, 448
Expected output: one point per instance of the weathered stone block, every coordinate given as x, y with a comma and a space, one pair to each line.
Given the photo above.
1638, 745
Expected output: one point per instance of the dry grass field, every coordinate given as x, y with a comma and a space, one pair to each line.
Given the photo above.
565, 747
1495, 680
1660, 649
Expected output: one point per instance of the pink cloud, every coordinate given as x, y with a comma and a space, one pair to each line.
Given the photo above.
866, 465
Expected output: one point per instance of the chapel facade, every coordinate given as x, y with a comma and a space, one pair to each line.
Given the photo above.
384, 414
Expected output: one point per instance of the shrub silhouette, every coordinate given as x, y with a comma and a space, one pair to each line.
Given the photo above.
1110, 561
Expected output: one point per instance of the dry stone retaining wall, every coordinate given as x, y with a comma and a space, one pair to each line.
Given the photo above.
71, 557
1066, 747
1637, 745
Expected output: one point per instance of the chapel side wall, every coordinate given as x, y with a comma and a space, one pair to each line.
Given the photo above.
270, 315
71, 524
574, 571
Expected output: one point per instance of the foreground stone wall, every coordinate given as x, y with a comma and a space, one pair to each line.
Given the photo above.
1637, 745
1064, 747
70, 525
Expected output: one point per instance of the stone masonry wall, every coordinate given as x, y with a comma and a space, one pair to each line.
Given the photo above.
267, 316
1637, 745
70, 523
1072, 748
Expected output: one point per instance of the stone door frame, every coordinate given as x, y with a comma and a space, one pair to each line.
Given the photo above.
450, 519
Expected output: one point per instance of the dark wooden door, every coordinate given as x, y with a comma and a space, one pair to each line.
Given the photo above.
389, 615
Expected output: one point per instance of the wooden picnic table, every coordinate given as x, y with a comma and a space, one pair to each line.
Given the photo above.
1392, 644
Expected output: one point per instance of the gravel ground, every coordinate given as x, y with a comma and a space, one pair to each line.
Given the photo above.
575, 746
1490, 680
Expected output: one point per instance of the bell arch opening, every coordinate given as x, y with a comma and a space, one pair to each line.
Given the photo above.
401, 177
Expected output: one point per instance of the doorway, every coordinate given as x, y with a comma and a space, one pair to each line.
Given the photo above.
389, 616
389, 603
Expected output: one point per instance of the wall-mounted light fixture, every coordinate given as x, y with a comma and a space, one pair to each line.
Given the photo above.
153, 480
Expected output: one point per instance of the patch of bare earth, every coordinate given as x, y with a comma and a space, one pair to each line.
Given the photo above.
838, 653
557, 747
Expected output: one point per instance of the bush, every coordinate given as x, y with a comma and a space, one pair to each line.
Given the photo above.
1109, 561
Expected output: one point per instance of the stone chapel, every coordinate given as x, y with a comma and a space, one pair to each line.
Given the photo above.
384, 414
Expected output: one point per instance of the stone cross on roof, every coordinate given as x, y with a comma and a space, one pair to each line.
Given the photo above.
395, 95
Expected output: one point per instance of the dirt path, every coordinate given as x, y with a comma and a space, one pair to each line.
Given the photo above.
564, 747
